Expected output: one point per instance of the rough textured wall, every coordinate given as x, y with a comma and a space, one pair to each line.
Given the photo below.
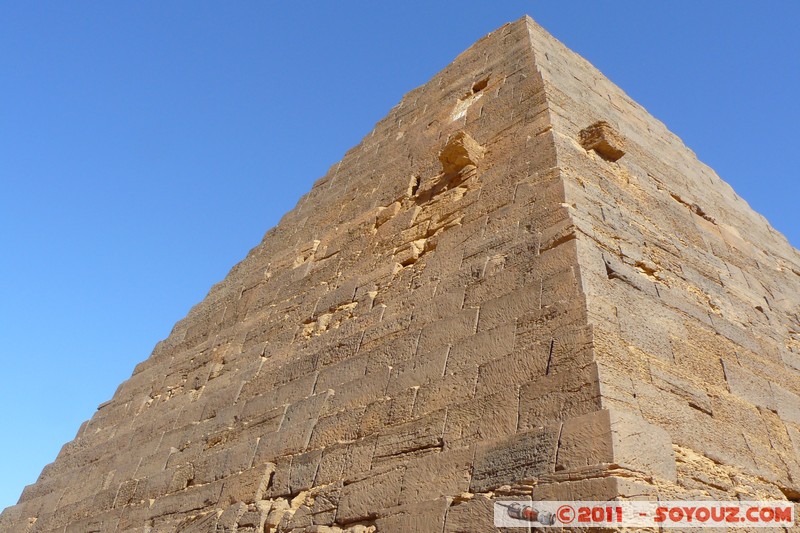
470, 305
694, 298
408, 332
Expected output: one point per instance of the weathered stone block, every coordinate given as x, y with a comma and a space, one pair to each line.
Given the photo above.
248, 486
303, 470
475, 514
487, 418
427, 516
512, 315
358, 392
748, 385
616, 437
513, 370
193, 498
339, 427
366, 498
604, 140
787, 404
420, 370
229, 518
275, 444
558, 396
420, 434
448, 390
448, 331
436, 475
479, 348
508, 308
525, 456
604, 488
460, 151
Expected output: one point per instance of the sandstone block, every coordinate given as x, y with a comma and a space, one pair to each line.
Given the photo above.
197, 497
604, 140
460, 151
448, 390
230, 516
748, 385
508, 308
420, 434
358, 392
475, 514
366, 498
448, 331
248, 486
513, 370
304, 470
596, 489
525, 456
437, 475
420, 370
339, 427
616, 437
558, 395
488, 418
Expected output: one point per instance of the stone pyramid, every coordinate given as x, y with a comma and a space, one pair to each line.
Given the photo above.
519, 283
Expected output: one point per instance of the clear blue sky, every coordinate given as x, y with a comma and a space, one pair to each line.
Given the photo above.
145, 147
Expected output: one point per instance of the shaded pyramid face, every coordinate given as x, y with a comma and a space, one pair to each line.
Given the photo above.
518, 284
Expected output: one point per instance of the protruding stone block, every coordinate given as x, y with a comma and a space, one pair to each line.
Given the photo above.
604, 140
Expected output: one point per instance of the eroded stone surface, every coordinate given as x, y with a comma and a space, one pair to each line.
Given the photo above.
470, 305
603, 139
